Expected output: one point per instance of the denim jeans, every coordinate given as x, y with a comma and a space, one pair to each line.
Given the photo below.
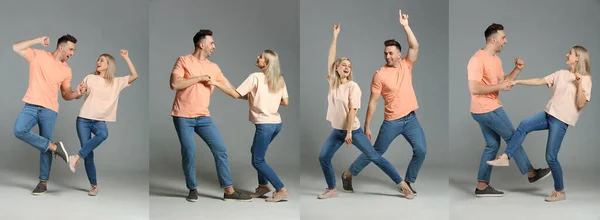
85, 129
495, 125
410, 128
360, 140
206, 129
264, 135
46, 120
556, 133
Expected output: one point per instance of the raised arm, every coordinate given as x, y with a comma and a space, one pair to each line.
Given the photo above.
332, 49
132, 73
519, 64
21, 46
413, 44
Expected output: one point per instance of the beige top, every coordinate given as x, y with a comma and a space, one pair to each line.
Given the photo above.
102, 99
340, 101
563, 104
263, 104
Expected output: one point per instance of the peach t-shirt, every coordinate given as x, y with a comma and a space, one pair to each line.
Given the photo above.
487, 70
46, 75
193, 101
263, 103
563, 105
102, 99
340, 101
395, 85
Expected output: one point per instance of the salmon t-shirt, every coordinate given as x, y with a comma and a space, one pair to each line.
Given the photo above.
194, 100
46, 76
102, 99
395, 85
563, 105
339, 103
263, 104
487, 70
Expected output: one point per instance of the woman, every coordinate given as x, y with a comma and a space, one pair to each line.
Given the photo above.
265, 91
343, 102
102, 90
571, 90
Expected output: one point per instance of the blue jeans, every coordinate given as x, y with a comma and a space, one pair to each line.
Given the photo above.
495, 125
410, 128
206, 129
264, 135
45, 119
556, 133
360, 140
85, 129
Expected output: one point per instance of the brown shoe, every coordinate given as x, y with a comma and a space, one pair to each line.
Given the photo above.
260, 191
278, 197
93, 191
329, 193
556, 196
408, 194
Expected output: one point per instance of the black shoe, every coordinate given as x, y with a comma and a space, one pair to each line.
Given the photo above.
411, 189
236, 196
61, 151
489, 191
540, 174
40, 189
193, 196
347, 184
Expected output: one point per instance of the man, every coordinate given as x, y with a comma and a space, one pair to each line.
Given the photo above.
393, 81
190, 78
47, 72
486, 78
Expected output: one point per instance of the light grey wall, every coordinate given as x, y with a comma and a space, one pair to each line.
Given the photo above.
242, 30
540, 32
100, 27
365, 25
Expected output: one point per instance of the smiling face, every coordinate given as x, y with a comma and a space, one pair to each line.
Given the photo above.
499, 40
101, 64
572, 57
66, 50
392, 55
207, 45
261, 62
344, 69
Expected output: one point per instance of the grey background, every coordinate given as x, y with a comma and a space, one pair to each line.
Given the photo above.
364, 28
121, 160
540, 33
99, 28
242, 30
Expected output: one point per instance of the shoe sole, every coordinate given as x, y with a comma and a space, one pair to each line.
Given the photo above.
544, 177
238, 200
402, 193
191, 200
498, 165
490, 195
62, 146
348, 191
38, 194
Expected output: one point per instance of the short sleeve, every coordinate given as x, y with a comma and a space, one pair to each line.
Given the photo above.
475, 69
354, 96
66, 83
247, 86
178, 69
586, 85
284, 92
30, 54
123, 82
550, 79
376, 83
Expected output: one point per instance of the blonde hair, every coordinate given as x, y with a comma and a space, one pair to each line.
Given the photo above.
335, 79
111, 69
583, 64
272, 71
